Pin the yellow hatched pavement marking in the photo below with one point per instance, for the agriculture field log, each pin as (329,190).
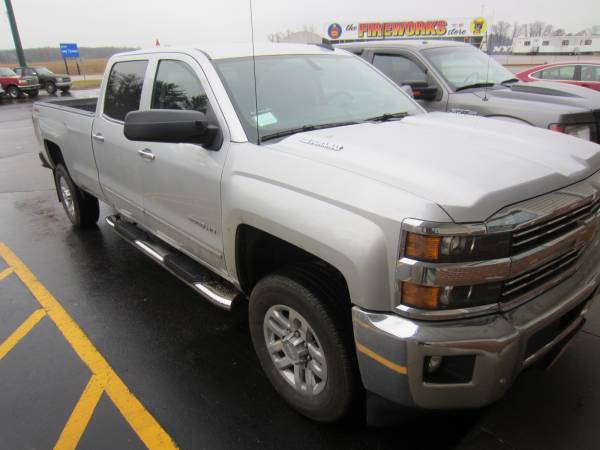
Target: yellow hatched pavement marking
(21,332)
(81,415)
(140,420)
(6,272)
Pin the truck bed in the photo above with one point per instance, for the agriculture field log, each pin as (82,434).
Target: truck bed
(79,105)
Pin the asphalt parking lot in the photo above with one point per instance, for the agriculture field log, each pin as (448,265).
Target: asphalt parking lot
(101,348)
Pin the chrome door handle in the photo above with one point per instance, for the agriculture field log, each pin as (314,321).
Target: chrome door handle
(146,154)
(98,137)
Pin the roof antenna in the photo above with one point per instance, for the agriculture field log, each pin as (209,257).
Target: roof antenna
(254,70)
(487,70)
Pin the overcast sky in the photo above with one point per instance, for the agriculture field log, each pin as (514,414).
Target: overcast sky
(139,22)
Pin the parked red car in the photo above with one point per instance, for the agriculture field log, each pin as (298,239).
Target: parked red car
(586,74)
(15,86)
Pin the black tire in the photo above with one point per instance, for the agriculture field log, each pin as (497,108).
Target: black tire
(33,94)
(13,92)
(50,87)
(85,209)
(322,304)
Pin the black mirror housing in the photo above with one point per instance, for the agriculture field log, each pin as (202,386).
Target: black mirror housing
(171,125)
(422,90)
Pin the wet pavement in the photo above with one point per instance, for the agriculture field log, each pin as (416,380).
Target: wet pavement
(191,366)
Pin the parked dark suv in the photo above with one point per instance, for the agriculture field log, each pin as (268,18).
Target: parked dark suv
(49,80)
(17,85)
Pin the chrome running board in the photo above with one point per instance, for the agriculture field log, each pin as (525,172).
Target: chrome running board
(209,285)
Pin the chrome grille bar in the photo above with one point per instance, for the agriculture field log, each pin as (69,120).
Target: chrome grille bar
(551,227)
(544,272)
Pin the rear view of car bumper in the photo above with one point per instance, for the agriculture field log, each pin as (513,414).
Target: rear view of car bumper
(469,363)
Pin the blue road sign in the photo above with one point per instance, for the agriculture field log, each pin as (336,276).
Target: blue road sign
(69,50)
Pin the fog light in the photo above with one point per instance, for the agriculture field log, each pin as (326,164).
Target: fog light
(433,363)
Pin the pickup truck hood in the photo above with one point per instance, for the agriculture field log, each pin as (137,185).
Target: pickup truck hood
(543,93)
(470,166)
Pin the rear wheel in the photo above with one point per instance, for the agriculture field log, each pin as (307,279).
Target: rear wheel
(82,208)
(301,338)
(50,87)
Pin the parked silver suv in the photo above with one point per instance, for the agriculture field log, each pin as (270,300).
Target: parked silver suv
(457,77)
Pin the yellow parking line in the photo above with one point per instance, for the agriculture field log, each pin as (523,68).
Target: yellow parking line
(140,420)
(6,272)
(21,332)
(81,415)
(381,360)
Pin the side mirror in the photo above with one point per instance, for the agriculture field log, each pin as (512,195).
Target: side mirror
(422,90)
(171,125)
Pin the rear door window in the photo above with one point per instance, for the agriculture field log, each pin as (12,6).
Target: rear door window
(124,88)
(566,73)
(590,73)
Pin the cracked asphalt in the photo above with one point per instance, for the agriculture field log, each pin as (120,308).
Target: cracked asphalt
(191,365)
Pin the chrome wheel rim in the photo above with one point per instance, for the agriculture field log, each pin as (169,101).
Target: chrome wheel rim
(67,197)
(295,350)
(13,92)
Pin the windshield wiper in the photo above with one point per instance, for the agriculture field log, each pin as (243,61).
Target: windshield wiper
(510,80)
(302,129)
(387,116)
(474,85)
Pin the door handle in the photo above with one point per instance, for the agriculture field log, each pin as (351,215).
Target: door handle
(146,153)
(98,137)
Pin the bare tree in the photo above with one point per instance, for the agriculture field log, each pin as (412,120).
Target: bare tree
(536,28)
(559,32)
(500,34)
(548,29)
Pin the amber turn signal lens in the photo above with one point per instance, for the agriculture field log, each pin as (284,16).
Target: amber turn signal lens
(417,296)
(421,247)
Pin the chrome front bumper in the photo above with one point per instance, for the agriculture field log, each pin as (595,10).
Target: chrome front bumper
(392,350)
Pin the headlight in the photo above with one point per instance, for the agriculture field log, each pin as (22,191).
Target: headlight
(441,250)
(456,248)
(581,131)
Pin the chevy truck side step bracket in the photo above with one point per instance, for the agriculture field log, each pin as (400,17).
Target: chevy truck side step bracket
(212,287)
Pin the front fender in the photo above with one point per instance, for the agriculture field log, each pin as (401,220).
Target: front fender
(354,245)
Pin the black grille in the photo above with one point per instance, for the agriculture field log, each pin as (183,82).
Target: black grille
(534,278)
(536,235)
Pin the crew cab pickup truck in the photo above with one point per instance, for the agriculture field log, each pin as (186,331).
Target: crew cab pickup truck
(426,258)
(457,77)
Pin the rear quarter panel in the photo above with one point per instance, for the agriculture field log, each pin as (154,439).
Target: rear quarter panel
(71,131)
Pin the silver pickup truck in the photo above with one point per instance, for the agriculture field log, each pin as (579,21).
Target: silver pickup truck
(426,258)
(457,77)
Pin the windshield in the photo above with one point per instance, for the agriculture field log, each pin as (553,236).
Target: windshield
(464,66)
(299,90)
(43,71)
(7,72)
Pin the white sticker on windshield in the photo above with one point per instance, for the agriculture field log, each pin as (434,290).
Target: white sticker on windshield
(265,118)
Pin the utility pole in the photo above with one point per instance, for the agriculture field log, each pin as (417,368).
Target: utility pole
(15,33)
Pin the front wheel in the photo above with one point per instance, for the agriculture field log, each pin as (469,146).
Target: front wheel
(82,208)
(12,92)
(50,87)
(303,345)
